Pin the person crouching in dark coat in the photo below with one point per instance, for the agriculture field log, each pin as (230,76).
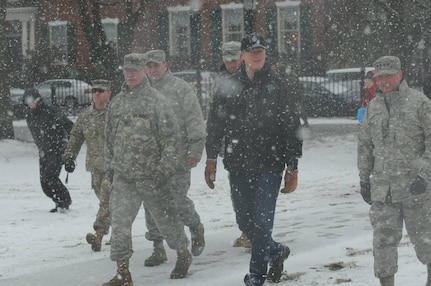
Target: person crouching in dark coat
(50,130)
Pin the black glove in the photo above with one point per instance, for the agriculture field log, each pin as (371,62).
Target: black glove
(419,186)
(160,181)
(366,192)
(69,165)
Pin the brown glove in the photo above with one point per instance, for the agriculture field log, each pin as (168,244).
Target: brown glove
(210,172)
(290,181)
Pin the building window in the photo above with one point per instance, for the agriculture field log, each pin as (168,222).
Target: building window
(289,38)
(179,31)
(232,22)
(111,31)
(58,42)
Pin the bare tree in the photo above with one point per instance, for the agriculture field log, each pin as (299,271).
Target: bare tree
(6,127)
(101,50)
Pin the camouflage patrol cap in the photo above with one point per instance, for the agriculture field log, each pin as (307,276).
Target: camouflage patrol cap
(134,61)
(387,65)
(231,51)
(102,84)
(155,56)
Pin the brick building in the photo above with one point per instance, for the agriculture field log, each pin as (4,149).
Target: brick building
(190,31)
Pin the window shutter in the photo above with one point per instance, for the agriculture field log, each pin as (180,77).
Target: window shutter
(71,44)
(216,34)
(271,29)
(163,31)
(195,37)
(306,34)
(44,37)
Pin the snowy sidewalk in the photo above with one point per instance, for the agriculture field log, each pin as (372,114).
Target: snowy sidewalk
(324,222)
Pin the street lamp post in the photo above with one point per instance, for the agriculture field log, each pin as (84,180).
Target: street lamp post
(421,47)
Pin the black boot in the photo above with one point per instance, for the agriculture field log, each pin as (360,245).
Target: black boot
(387,281)
(276,264)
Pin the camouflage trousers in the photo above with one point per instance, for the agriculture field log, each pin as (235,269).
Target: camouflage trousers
(126,199)
(102,188)
(387,220)
(179,186)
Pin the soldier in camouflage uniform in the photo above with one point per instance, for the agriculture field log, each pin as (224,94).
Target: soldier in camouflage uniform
(141,154)
(191,142)
(394,162)
(90,128)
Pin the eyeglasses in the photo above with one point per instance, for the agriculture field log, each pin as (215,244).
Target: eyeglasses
(94,90)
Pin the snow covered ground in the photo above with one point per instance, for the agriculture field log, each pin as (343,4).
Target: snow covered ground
(324,222)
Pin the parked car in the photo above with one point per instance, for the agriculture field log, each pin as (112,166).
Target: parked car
(349,77)
(207,81)
(324,98)
(69,93)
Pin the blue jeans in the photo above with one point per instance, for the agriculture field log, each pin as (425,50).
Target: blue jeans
(254,197)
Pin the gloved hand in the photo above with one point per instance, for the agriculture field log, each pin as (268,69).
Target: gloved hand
(160,180)
(210,172)
(290,181)
(109,176)
(366,192)
(419,186)
(193,161)
(69,165)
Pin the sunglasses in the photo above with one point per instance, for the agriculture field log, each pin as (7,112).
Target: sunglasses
(94,90)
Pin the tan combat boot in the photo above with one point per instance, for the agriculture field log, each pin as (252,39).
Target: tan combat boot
(159,255)
(198,239)
(387,281)
(95,240)
(242,241)
(123,276)
(182,265)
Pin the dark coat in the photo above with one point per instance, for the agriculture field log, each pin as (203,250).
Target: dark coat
(259,120)
(50,129)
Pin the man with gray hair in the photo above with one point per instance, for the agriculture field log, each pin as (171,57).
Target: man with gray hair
(394,162)
(141,136)
(231,52)
(191,142)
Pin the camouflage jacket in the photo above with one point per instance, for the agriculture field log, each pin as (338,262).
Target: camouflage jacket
(191,122)
(89,128)
(394,144)
(141,134)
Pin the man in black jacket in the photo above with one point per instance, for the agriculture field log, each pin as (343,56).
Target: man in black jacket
(50,130)
(260,122)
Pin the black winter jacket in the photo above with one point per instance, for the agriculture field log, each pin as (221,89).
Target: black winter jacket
(259,120)
(50,129)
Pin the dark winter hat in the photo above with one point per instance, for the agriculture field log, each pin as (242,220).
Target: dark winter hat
(251,41)
(31,95)
(231,51)
(387,65)
(369,75)
(155,56)
(102,84)
(134,61)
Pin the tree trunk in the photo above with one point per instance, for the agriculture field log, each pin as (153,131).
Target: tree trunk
(6,111)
